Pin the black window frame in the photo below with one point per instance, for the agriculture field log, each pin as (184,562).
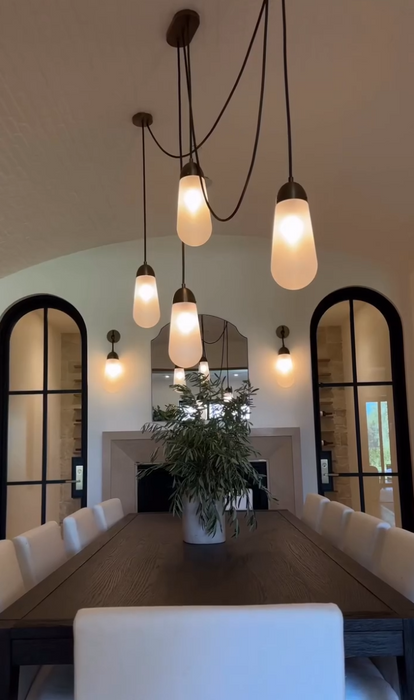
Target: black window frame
(7,324)
(399,391)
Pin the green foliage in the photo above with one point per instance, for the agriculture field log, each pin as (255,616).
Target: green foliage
(209,460)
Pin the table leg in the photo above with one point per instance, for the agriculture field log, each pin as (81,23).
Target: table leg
(406,662)
(9,675)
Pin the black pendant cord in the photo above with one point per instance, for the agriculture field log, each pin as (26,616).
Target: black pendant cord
(213,342)
(180,146)
(226,104)
(223,335)
(287,99)
(227,355)
(202,334)
(144,195)
(187,62)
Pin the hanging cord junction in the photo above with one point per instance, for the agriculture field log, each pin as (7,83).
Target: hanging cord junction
(227,102)
(187,62)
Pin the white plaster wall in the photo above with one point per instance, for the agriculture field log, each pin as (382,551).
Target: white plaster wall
(230,277)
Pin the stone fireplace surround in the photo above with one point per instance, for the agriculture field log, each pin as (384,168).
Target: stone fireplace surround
(280,447)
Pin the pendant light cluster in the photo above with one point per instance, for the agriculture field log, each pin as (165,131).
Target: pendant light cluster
(293,256)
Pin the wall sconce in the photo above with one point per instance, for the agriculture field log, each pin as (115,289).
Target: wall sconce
(284,364)
(113,366)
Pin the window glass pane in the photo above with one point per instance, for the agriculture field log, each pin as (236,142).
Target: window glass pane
(26,353)
(64,419)
(372,341)
(23,509)
(24,456)
(65,358)
(378,447)
(346,491)
(334,345)
(338,427)
(382,498)
(59,502)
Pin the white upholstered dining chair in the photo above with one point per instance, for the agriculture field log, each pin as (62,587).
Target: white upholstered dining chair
(79,530)
(364,537)
(108,513)
(40,552)
(312,510)
(201,652)
(395,561)
(334,521)
(35,682)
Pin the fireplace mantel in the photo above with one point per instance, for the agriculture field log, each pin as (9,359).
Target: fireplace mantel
(280,447)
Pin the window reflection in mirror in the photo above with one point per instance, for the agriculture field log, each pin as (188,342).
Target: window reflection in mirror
(214,337)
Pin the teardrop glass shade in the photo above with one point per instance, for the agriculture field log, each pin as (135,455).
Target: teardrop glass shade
(284,369)
(193,216)
(179,376)
(146,310)
(185,347)
(294,261)
(203,368)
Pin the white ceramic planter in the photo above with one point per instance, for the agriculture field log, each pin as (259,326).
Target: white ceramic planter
(194,533)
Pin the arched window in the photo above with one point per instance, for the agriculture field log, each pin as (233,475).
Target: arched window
(43,405)
(360,404)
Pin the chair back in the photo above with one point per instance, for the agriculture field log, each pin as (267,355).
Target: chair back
(40,552)
(313,509)
(108,513)
(334,521)
(364,537)
(11,579)
(202,652)
(395,561)
(79,530)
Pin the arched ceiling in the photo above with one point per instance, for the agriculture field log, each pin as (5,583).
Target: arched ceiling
(72,73)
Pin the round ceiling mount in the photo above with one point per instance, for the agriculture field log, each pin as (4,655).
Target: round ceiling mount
(183,26)
(142,119)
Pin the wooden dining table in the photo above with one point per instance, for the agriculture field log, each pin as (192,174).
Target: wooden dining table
(142,561)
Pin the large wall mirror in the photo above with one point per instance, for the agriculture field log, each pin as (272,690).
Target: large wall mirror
(226,351)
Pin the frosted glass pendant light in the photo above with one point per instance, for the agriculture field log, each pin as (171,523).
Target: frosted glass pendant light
(185,346)
(179,376)
(146,307)
(203,367)
(193,216)
(294,262)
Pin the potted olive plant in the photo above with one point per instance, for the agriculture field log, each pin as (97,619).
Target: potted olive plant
(206,449)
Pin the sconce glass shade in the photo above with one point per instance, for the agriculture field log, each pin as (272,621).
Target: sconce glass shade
(146,310)
(193,216)
(179,376)
(113,372)
(294,262)
(284,368)
(203,367)
(185,346)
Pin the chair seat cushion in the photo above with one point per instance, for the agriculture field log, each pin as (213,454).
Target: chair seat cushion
(363,681)
(52,683)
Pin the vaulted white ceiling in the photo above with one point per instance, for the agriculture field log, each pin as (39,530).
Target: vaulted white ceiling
(73,72)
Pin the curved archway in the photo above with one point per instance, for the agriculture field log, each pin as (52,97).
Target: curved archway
(360,404)
(43,407)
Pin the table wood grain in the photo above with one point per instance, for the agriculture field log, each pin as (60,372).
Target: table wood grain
(142,561)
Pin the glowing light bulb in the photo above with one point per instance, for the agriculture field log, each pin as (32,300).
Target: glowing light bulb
(193,215)
(146,310)
(292,229)
(186,322)
(113,368)
(294,262)
(228,394)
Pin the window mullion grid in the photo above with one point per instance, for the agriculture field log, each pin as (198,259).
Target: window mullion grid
(356,406)
(45,408)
